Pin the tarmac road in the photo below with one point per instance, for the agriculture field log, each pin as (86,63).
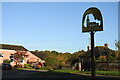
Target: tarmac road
(16,73)
(27,75)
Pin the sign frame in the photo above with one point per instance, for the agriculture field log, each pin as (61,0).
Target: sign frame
(92,26)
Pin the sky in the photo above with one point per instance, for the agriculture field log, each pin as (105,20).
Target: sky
(59,0)
(56,25)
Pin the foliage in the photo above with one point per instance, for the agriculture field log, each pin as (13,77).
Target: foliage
(7,61)
(27,65)
(19,56)
(112,57)
(118,51)
(75,57)
(55,59)
(101,59)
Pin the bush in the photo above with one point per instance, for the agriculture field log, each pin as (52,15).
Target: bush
(27,65)
(7,61)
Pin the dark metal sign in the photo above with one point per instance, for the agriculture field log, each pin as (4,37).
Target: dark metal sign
(92,26)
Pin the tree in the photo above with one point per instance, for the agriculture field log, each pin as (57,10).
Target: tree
(19,57)
(75,57)
(56,59)
(118,51)
(117,44)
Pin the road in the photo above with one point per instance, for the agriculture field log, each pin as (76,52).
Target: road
(16,73)
(29,75)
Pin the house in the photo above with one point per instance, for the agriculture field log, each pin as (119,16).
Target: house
(1,61)
(7,52)
(99,51)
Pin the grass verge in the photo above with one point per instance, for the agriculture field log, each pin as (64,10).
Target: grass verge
(59,71)
(106,73)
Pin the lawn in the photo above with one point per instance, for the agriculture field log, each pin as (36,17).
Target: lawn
(105,73)
(63,72)
(108,73)
(25,68)
(59,71)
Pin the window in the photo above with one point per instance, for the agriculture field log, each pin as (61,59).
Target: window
(2,54)
(11,57)
(21,61)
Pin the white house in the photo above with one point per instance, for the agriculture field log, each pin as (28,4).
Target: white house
(8,51)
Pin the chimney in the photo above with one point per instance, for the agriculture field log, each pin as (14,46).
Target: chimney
(88,48)
(106,45)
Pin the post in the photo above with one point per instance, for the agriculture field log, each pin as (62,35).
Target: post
(92,27)
(92,56)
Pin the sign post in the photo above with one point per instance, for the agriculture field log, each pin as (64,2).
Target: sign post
(92,56)
(92,27)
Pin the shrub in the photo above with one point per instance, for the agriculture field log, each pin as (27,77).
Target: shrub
(27,65)
(7,61)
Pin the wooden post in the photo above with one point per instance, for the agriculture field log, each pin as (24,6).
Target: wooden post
(92,56)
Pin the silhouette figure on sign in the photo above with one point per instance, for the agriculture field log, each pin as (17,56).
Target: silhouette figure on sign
(92,26)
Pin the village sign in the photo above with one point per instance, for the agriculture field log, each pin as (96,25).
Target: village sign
(92,27)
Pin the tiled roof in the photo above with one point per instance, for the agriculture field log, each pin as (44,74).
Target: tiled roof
(12,47)
(36,54)
(98,51)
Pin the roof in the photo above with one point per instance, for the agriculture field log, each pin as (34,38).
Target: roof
(37,54)
(12,47)
(32,60)
(98,51)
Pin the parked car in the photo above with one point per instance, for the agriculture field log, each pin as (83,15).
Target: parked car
(36,65)
(6,66)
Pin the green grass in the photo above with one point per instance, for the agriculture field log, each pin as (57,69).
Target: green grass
(46,68)
(66,71)
(59,71)
(106,73)
(70,73)
(43,68)
(25,68)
